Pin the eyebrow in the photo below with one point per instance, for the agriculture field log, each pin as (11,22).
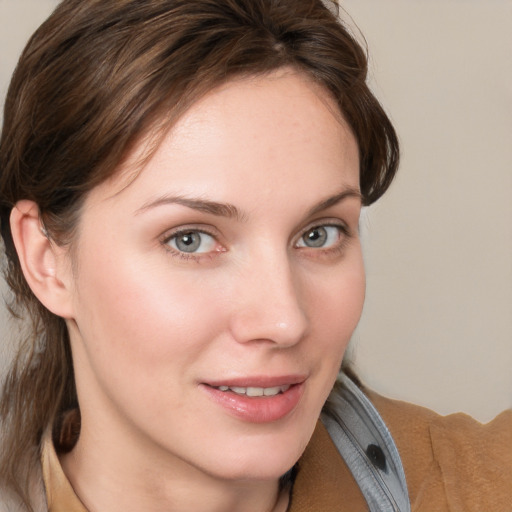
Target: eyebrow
(199,204)
(231,211)
(334,200)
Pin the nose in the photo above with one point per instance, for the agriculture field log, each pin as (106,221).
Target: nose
(268,306)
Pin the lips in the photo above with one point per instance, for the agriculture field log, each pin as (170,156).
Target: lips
(257,399)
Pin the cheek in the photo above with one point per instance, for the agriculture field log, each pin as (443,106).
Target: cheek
(141,316)
(336,308)
(338,302)
(145,338)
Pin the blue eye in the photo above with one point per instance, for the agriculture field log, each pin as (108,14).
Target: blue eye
(192,242)
(320,237)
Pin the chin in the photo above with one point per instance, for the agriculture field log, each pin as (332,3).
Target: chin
(264,457)
(260,469)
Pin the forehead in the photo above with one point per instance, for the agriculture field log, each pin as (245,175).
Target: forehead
(261,99)
(282,121)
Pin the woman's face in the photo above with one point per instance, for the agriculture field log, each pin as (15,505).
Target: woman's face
(230,267)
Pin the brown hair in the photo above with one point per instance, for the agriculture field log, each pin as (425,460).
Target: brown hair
(95,78)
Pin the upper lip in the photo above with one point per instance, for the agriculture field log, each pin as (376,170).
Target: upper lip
(258,381)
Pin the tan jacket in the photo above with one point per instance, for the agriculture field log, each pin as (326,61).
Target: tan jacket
(452,464)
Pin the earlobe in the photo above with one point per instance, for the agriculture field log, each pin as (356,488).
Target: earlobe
(43,262)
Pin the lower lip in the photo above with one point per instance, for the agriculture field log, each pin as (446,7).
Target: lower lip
(257,409)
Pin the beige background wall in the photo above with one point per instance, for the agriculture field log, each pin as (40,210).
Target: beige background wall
(437,326)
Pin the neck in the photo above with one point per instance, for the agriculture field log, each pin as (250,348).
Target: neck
(106,477)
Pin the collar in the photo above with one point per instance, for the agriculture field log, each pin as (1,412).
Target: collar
(324,482)
(60,496)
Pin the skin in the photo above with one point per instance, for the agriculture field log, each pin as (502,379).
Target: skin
(150,325)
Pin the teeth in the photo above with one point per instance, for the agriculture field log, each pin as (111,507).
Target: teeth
(255,392)
(271,391)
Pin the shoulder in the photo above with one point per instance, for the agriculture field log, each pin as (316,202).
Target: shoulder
(451,462)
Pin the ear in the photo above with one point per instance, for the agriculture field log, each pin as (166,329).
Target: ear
(45,265)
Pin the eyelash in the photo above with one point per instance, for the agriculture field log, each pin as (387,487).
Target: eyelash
(338,248)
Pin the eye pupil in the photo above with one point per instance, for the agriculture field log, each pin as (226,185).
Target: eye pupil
(188,242)
(316,237)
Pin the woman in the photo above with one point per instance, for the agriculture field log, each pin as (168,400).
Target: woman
(180,191)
